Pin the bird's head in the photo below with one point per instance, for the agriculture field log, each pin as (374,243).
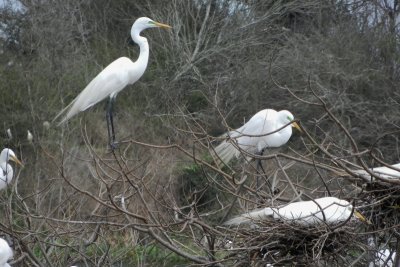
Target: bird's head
(144,23)
(8,154)
(288,117)
(350,210)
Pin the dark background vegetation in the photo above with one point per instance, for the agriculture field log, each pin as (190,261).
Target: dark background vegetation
(223,61)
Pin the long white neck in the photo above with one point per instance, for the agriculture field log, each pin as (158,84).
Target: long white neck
(143,59)
(4,156)
(6,175)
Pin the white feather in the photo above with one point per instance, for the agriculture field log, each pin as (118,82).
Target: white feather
(5,253)
(330,210)
(255,135)
(116,76)
(384,172)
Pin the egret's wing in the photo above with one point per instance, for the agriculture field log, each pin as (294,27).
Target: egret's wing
(254,215)
(298,211)
(329,210)
(108,82)
(258,125)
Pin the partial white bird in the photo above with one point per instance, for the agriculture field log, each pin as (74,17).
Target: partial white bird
(29,136)
(326,210)
(257,134)
(385,258)
(9,134)
(115,77)
(6,171)
(384,172)
(46,125)
(5,253)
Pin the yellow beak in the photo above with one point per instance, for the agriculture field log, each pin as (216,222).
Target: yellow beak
(361,217)
(162,25)
(296,125)
(16,160)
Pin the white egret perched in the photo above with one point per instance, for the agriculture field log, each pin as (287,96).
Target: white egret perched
(115,77)
(258,133)
(5,253)
(29,136)
(9,134)
(6,172)
(383,172)
(326,210)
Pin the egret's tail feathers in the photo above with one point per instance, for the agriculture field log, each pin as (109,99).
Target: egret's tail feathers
(247,218)
(225,152)
(66,113)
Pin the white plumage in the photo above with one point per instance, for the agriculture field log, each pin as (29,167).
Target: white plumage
(29,136)
(6,171)
(5,253)
(384,172)
(255,135)
(116,76)
(385,256)
(329,210)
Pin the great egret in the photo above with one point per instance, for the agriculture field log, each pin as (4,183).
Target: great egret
(29,137)
(9,134)
(383,172)
(258,133)
(6,173)
(326,210)
(5,253)
(115,77)
(265,129)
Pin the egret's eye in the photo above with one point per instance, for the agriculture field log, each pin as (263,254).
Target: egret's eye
(289,118)
(150,22)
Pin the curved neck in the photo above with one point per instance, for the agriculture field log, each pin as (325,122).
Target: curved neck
(144,50)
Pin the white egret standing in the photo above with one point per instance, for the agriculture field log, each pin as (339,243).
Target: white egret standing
(329,210)
(259,133)
(115,77)
(5,253)
(6,172)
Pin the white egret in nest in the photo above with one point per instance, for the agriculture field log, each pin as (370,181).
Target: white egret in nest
(6,172)
(326,210)
(115,77)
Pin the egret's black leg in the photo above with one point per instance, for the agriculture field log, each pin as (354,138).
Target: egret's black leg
(259,167)
(110,123)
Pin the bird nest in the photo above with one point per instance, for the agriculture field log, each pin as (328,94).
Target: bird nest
(281,244)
